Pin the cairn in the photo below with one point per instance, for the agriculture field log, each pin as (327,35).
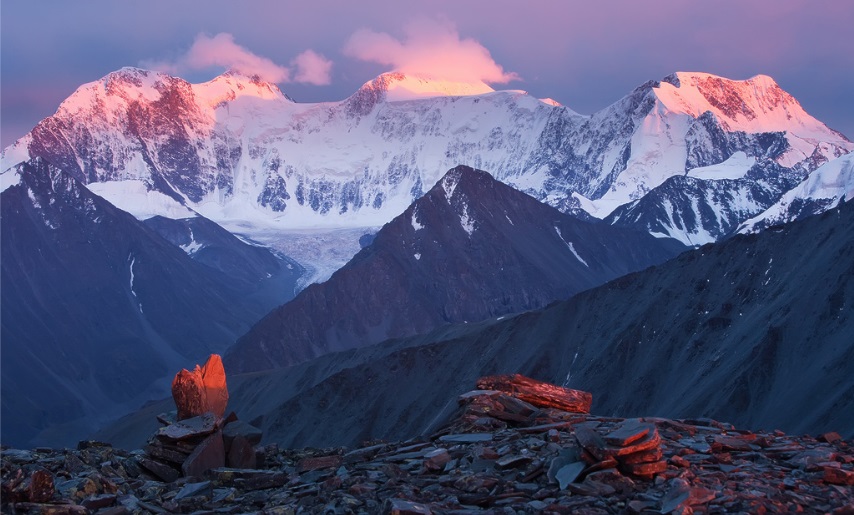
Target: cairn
(197,437)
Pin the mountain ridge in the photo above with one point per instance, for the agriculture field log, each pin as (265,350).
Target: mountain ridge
(359,162)
(470,248)
(693,350)
(665,357)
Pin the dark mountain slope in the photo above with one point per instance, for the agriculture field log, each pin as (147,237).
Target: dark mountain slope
(755,331)
(256,268)
(96,308)
(470,249)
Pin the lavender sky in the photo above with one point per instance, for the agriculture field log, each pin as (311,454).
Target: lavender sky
(584,54)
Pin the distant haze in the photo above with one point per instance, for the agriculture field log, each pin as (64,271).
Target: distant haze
(583,55)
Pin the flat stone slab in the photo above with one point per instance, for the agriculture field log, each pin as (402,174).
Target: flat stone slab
(322,462)
(644,469)
(193,489)
(596,445)
(241,454)
(629,431)
(249,479)
(513,461)
(467,438)
(569,473)
(402,507)
(189,428)
(166,473)
(591,441)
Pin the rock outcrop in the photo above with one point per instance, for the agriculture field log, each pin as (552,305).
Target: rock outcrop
(204,390)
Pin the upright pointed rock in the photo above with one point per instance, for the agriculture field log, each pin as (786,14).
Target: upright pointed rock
(201,391)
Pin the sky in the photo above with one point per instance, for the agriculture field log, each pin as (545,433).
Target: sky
(586,55)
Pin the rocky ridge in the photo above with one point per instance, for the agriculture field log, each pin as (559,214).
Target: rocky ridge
(499,454)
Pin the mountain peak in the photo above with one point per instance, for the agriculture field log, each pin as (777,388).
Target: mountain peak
(461,174)
(146,83)
(131,82)
(399,86)
(469,249)
(233,84)
(757,104)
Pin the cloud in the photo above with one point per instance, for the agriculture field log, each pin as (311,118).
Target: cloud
(222,52)
(312,68)
(429,47)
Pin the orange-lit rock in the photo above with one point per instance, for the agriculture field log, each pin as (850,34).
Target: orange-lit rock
(201,391)
(538,393)
(216,389)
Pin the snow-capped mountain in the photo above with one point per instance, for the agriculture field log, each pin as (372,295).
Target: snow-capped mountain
(240,152)
(824,189)
(469,249)
(730,137)
(698,211)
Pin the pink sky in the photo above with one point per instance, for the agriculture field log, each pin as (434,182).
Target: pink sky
(583,54)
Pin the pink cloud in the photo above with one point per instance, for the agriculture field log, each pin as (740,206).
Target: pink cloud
(429,47)
(312,68)
(221,51)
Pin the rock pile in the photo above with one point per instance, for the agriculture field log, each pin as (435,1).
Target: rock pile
(192,446)
(196,438)
(499,454)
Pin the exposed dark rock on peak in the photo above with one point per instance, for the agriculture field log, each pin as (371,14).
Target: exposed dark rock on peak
(672,79)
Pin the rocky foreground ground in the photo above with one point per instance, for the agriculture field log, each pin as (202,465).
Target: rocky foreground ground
(514,447)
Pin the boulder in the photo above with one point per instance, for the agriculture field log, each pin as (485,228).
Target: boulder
(201,391)
(538,393)
(241,454)
(240,428)
(209,454)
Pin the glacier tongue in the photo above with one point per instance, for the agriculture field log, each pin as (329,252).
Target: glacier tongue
(320,251)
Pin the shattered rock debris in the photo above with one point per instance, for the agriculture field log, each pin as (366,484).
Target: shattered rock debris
(503,452)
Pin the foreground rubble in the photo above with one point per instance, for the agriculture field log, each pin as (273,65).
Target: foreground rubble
(500,454)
